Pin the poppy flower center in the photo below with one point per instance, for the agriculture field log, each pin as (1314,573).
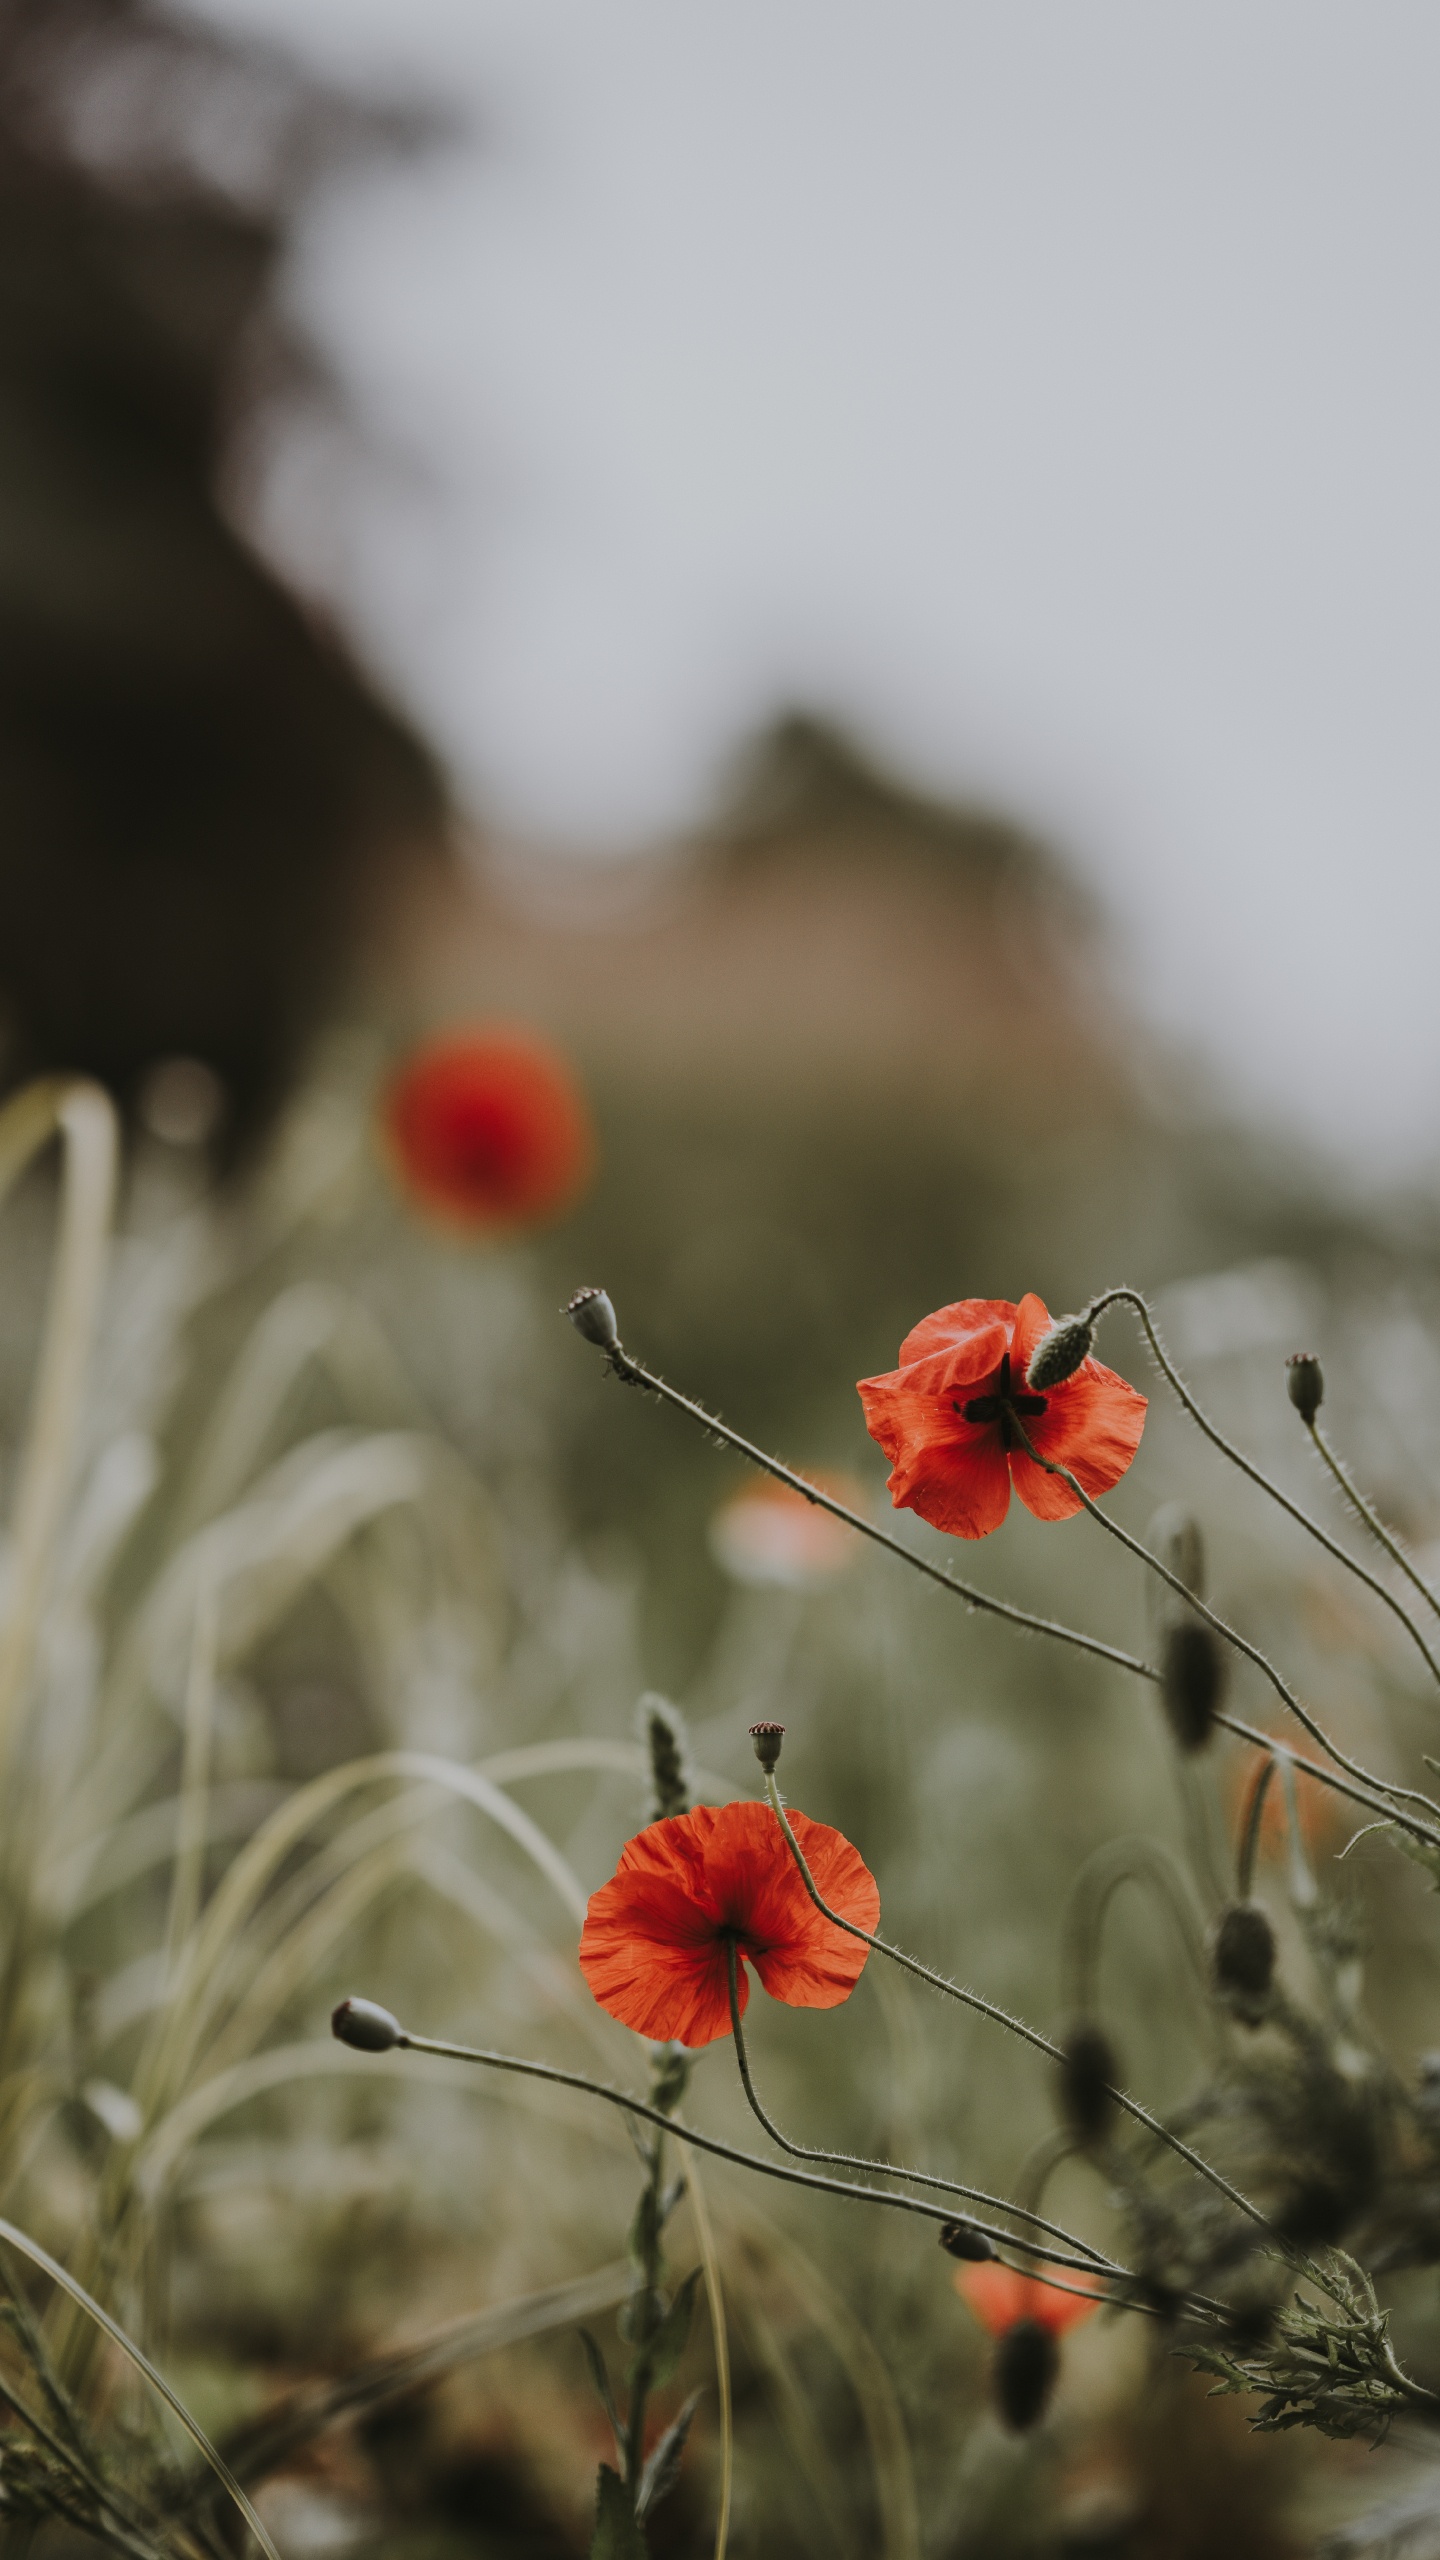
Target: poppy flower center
(1003,1406)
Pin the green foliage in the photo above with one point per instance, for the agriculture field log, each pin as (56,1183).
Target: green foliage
(618,2535)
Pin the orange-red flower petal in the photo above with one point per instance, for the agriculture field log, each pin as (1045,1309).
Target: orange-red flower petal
(654,1948)
(488,1129)
(1001,2296)
(945,1419)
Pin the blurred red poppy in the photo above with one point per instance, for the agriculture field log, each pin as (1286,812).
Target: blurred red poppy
(1001,2297)
(768,1533)
(488,1129)
(654,1948)
(947,1417)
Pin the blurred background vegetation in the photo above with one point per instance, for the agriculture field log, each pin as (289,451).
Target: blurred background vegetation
(850,1054)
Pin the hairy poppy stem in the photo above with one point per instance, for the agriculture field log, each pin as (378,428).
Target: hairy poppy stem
(887,2168)
(1241,1644)
(1132,1298)
(1366,1512)
(1031,2035)
(633,1374)
(687,2133)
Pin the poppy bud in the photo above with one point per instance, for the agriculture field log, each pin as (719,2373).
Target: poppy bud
(1242,1955)
(1192,1681)
(1058,1354)
(1027,2361)
(592,1315)
(767,1739)
(366,2025)
(1305,1384)
(1088,2071)
(962,2240)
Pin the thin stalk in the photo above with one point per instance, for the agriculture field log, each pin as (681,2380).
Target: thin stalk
(1365,1511)
(1312,1527)
(84,1117)
(1229,1635)
(118,2529)
(634,1375)
(1250,1826)
(646,2312)
(51,2267)
(885,2168)
(1017,2026)
(645,2114)
(710,2258)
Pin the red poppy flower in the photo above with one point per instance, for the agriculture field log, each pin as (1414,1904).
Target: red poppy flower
(654,1948)
(1001,2297)
(946,1419)
(488,1129)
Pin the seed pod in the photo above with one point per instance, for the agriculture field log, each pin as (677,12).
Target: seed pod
(592,1315)
(1027,2361)
(1305,1384)
(962,2240)
(1088,2071)
(1242,1956)
(767,1739)
(1060,1352)
(1193,1681)
(662,1730)
(366,2026)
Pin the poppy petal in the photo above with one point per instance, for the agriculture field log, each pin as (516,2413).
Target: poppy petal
(1092,1424)
(951,1471)
(999,2296)
(819,1967)
(1045,1497)
(654,1948)
(1032,1323)
(977,1327)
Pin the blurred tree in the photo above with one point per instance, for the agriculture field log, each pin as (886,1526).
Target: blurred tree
(198,787)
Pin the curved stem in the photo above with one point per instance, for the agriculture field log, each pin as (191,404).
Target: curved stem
(1229,1635)
(1312,1527)
(886,2168)
(634,1375)
(1118,1862)
(684,2132)
(1031,2035)
(1365,1512)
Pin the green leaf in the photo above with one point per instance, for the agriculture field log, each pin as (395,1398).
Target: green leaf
(663,2468)
(601,2380)
(617,2535)
(667,2344)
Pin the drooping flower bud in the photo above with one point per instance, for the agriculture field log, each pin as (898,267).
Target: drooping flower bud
(1305,1384)
(1088,2072)
(1059,1353)
(592,1315)
(767,1739)
(365,2025)
(1242,1957)
(1027,2361)
(1192,1682)
(962,2240)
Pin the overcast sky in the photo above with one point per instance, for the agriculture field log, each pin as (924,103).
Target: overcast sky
(1048,387)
